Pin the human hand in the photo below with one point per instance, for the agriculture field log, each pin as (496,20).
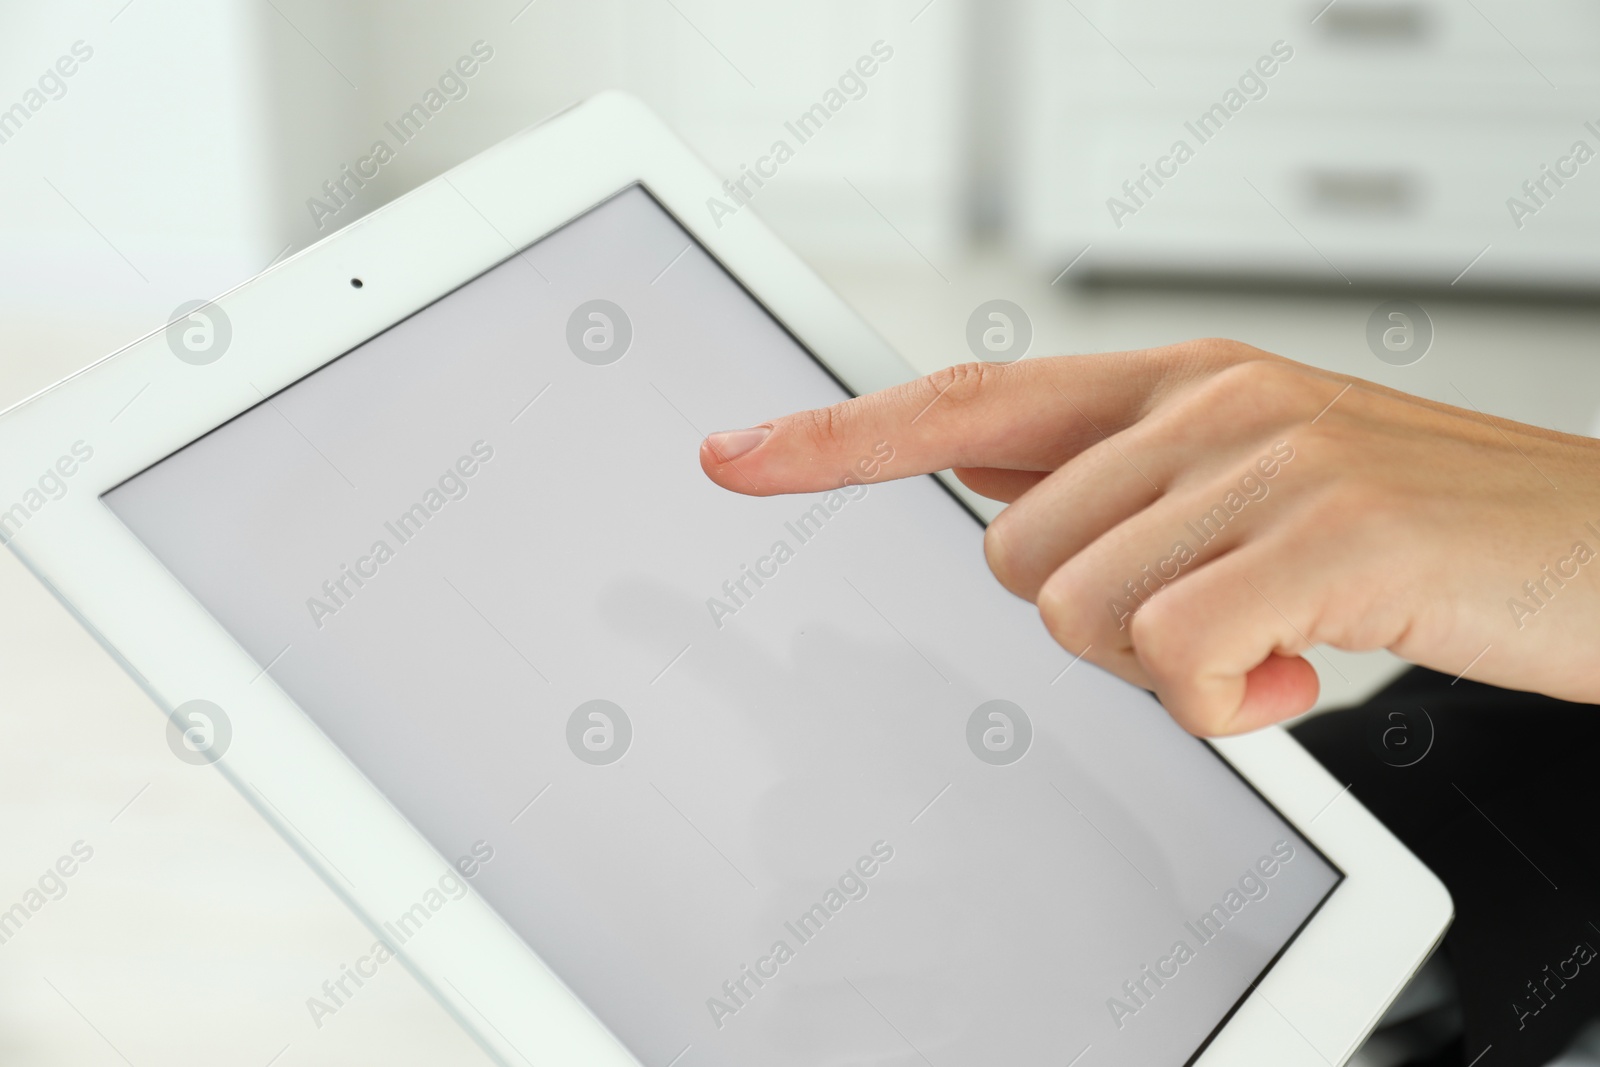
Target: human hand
(1193,518)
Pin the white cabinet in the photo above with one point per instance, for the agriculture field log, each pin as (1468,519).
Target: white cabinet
(1384,149)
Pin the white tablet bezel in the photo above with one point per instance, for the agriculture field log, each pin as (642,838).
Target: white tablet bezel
(1315,1003)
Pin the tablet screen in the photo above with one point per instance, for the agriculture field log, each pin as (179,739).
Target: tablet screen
(780,781)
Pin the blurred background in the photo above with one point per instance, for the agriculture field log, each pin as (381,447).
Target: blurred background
(1335,157)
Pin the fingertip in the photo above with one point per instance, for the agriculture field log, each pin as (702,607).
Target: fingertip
(728,458)
(723,472)
(729,445)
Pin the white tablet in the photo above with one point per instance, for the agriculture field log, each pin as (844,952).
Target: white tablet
(409,538)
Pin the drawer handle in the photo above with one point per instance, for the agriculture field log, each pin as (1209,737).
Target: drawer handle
(1358,23)
(1347,192)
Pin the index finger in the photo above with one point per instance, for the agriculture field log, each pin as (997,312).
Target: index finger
(1031,415)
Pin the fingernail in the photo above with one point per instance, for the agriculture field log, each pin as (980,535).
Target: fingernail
(731,444)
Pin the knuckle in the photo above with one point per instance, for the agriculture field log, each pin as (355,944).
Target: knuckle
(1165,646)
(1268,382)
(1201,720)
(962,382)
(1217,351)
(1061,608)
(999,551)
(1156,631)
(822,426)
(1250,393)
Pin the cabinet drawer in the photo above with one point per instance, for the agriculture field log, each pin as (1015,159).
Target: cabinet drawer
(1338,194)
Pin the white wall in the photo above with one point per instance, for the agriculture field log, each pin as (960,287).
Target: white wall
(139,188)
(726,76)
